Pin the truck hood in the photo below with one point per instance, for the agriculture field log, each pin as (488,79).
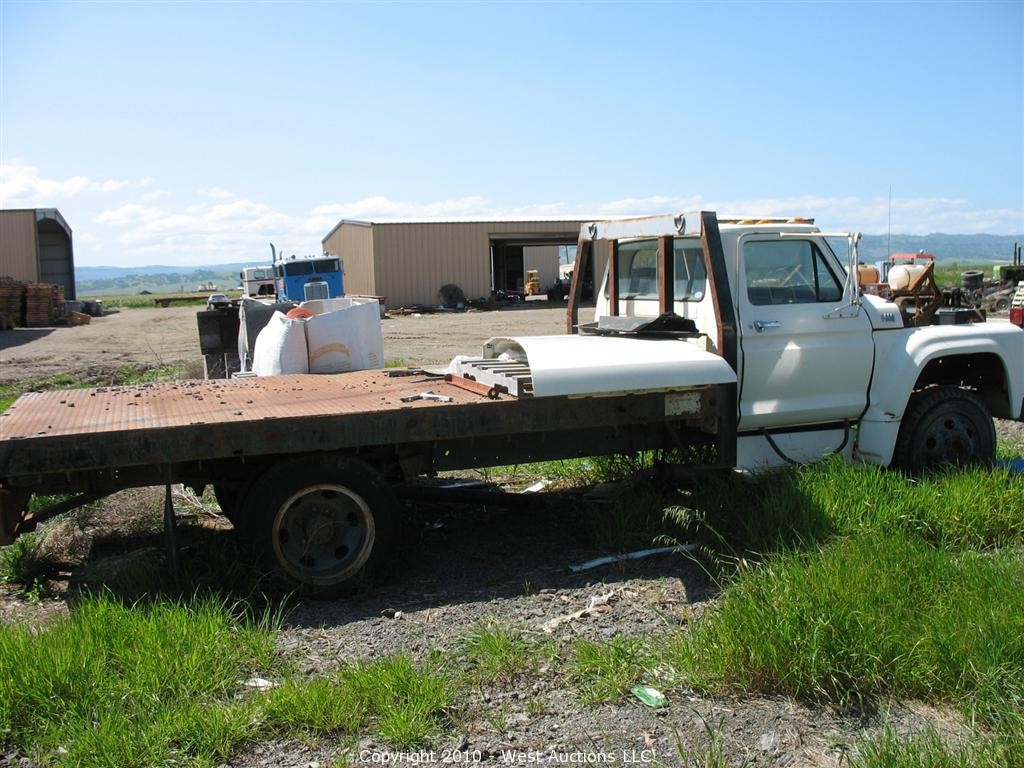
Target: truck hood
(603,365)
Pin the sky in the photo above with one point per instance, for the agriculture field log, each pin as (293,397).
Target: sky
(196,133)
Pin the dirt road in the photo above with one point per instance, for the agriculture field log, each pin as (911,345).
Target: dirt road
(152,337)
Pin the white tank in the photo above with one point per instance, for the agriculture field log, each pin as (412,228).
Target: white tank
(902,276)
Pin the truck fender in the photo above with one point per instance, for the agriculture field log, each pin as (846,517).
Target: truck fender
(903,356)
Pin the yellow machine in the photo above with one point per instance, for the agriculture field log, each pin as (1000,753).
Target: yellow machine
(533,286)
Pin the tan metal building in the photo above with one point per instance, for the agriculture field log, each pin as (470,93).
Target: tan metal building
(35,247)
(409,260)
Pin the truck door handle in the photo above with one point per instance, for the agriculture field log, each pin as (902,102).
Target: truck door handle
(760,325)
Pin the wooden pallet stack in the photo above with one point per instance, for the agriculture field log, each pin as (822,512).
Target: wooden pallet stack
(12,302)
(38,305)
(58,312)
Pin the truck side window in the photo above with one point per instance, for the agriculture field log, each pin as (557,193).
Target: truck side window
(638,270)
(788,272)
(690,272)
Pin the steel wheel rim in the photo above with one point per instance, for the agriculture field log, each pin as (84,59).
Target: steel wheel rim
(323,534)
(950,438)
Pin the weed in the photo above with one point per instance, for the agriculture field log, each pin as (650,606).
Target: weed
(19,562)
(318,706)
(405,704)
(710,755)
(606,671)
(395,362)
(500,654)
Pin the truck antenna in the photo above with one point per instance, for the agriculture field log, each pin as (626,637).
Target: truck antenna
(888,236)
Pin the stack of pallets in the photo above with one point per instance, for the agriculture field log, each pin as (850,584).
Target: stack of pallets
(38,305)
(12,302)
(58,312)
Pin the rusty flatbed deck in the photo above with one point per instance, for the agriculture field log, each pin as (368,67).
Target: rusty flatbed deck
(49,435)
(171,405)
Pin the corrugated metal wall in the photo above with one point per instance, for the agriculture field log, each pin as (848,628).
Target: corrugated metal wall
(412,261)
(18,245)
(353,243)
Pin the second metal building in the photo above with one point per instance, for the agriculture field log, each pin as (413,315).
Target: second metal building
(409,260)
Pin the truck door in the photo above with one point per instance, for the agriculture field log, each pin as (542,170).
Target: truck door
(805,354)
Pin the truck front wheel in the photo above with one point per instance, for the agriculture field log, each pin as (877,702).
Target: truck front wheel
(945,426)
(322,519)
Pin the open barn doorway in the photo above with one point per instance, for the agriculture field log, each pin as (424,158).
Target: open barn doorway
(518,258)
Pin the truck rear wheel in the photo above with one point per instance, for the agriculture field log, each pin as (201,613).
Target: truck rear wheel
(945,426)
(322,520)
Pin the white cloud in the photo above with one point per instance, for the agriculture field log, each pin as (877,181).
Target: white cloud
(23,185)
(920,215)
(129,222)
(217,193)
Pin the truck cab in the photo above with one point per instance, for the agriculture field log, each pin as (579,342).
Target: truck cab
(820,366)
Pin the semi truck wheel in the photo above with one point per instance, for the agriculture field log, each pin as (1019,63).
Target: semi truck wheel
(945,426)
(322,519)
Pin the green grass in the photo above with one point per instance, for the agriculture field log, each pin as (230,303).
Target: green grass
(136,301)
(114,684)
(977,509)
(606,671)
(878,614)
(405,704)
(500,654)
(162,683)
(929,750)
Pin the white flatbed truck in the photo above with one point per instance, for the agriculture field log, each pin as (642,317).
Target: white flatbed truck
(746,340)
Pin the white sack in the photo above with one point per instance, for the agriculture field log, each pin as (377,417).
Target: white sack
(348,339)
(281,347)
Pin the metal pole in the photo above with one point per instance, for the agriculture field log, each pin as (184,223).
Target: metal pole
(170,530)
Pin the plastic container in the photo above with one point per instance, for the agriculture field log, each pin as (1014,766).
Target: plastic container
(902,276)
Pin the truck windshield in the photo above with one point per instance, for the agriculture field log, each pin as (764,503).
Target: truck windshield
(326,266)
(638,270)
(294,268)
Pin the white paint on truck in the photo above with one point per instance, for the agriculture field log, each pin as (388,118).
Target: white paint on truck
(597,365)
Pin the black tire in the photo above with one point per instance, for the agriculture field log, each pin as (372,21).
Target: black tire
(229,497)
(945,426)
(322,520)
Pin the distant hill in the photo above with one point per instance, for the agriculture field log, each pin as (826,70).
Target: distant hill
(959,249)
(107,281)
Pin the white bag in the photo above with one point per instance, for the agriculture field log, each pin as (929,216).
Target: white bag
(281,347)
(348,339)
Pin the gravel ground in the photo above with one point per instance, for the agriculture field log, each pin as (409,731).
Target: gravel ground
(168,337)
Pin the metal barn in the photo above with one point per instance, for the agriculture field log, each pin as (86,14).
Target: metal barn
(408,260)
(35,247)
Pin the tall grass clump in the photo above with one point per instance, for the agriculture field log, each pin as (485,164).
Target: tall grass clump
(499,654)
(875,614)
(405,704)
(112,684)
(804,507)
(929,750)
(970,508)
(606,671)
